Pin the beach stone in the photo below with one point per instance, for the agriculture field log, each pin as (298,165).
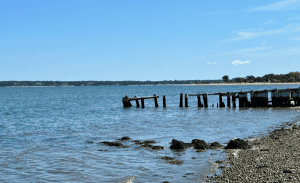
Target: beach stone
(237,144)
(166,182)
(158,147)
(176,144)
(125,138)
(118,144)
(199,144)
(220,162)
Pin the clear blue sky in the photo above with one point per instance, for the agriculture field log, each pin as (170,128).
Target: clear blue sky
(147,40)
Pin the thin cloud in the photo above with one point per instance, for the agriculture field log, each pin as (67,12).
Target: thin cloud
(247,34)
(211,62)
(280,6)
(238,62)
(295,38)
(268,22)
(246,50)
(264,42)
(293,18)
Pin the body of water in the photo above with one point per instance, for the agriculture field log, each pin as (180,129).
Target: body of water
(45,133)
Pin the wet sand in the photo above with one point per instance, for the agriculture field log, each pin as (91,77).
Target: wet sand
(274,158)
(228,84)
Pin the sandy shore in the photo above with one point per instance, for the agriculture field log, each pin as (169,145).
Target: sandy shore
(225,84)
(275,158)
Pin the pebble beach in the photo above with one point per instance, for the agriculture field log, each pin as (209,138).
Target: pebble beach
(274,158)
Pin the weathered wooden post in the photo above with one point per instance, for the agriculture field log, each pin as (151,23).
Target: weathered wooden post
(137,102)
(186,100)
(220,99)
(142,101)
(181,100)
(126,102)
(252,99)
(233,100)
(275,98)
(205,100)
(199,101)
(228,99)
(155,100)
(297,97)
(243,101)
(164,101)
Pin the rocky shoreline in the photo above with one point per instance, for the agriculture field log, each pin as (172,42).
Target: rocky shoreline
(274,158)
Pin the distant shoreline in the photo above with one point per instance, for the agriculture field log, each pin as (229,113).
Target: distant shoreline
(225,84)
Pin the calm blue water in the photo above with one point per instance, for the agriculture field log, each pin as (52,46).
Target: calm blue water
(44,132)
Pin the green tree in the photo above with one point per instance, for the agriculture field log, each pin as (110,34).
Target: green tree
(225,78)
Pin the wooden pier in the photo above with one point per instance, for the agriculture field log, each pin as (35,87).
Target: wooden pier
(260,98)
(279,98)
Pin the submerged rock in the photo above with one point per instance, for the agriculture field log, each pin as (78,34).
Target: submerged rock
(237,144)
(158,147)
(125,138)
(149,142)
(177,162)
(167,158)
(118,144)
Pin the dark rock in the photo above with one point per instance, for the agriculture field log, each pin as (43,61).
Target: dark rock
(177,162)
(166,182)
(158,147)
(125,138)
(215,145)
(179,145)
(167,158)
(118,144)
(102,150)
(199,144)
(147,146)
(237,144)
(148,142)
(89,142)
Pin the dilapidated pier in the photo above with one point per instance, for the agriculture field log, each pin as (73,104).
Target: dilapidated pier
(259,98)
(279,98)
(126,101)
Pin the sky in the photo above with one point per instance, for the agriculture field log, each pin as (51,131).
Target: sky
(119,40)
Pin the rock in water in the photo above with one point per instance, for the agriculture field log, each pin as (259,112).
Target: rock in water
(199,144)
(237,144)
(130,180)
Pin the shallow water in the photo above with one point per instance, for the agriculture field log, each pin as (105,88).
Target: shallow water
(44,132)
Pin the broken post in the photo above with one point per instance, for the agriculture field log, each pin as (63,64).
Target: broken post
(181,100)
(126,102)
(205,100)
(199,101)
(164,101)
(137,102)
(155,100)
(228,99)
(233,100)
(186,100)
(142,101)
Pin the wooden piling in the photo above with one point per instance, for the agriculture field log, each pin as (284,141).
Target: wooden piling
(137,102)
(220,99)
(164,101)
(297,97)
(275,98)
(252,99)
(228,99)
(233,100)
(181,100)
(155,100)
(186,100)
(199,101)
(205,100)
(142,101)
(243,101)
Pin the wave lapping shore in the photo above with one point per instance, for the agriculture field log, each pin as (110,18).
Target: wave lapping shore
(274,158)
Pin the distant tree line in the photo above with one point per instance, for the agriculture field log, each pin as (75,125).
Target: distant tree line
(273,78)
(100,83)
